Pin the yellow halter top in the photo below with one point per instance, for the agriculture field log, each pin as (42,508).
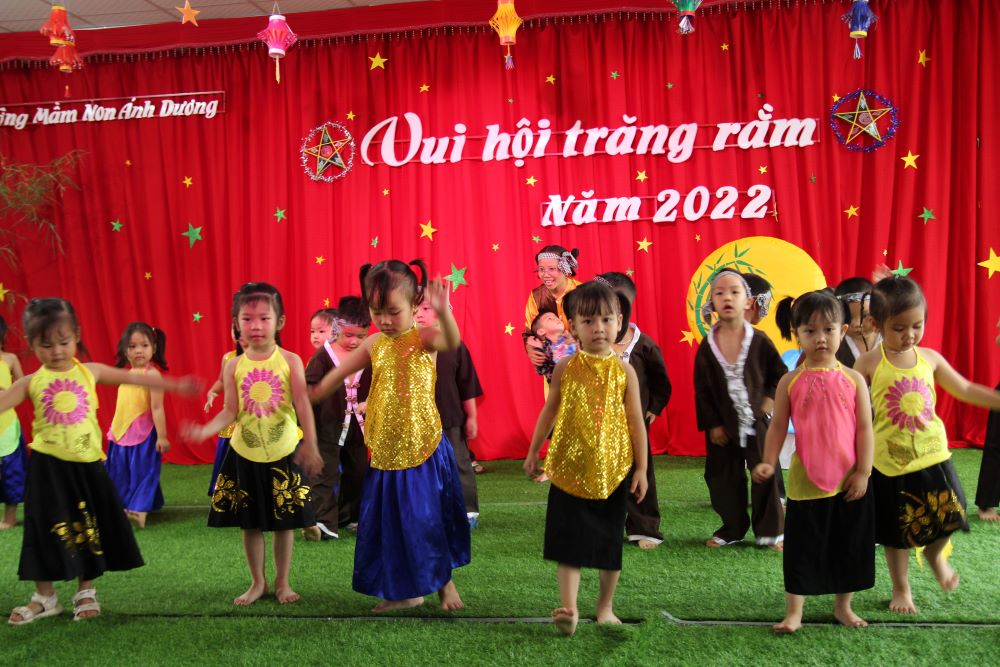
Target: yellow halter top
(266,425)
(65,423)
(591,449)
(133,402)
(909,435)
(402,426)
(227,432)
(10,428)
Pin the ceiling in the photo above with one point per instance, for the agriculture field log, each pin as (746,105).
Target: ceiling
(29,15)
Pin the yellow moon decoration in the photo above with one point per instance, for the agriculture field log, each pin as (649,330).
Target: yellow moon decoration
(789,269)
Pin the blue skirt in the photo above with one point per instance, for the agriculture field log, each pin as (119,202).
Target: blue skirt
(221,449)
(135,472)
(13,469)
(413,529)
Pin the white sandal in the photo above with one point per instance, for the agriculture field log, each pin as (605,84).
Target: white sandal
(50,607)
(87,606)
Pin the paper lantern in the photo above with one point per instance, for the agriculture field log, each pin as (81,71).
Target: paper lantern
(686,9)
(279,38)
(859,19)
(66,58)
(506,22)
(57,27)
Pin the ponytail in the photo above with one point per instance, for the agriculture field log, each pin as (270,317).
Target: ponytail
(783,317)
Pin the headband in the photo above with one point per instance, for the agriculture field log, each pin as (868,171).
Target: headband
(708,308)
(853,297)
(604,281)
(567,262)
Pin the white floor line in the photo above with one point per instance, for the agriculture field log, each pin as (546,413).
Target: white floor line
(871,624)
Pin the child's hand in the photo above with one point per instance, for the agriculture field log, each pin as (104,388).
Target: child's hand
(534,348)
(189,385)
(209,399)
(649,418)
(639,485)
(471,428)
(856,486)
(363,407)
(718,435)
(531,466)
(762,472)
(436,296)
(310,461)
(162,445)
(193,432)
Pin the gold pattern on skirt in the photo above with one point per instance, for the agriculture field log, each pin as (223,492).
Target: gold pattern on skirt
(79,535)
(290,494)
(227,497)
(926,519)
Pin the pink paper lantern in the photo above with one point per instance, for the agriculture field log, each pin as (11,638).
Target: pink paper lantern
(279,38)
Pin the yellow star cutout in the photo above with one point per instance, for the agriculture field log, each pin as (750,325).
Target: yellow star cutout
(762,169)
(424,88)
(385,192)
(725,46)
(909,160)
(188,13)
(551,78)
(688,337)
(377,61)
(697,237)
(644,244)
(509,329)
(320,259)
(351,115)
(326,303)
(531,180)
(922,58)
(187,181)
(427,230)
(852,212)
(495,247)
(885,252)
(149,275)
(641,176)
(992,264)
(836,98)
(3,293)
(128,163)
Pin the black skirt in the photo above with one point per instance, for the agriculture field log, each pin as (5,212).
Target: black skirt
(74,523)
(261,496)
(829,545)
(586,533)
(918,508)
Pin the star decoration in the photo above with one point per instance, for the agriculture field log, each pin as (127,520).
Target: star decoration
(149,275)
(378,61)
(320,259)
(424,88)
(922,58)
(928,214)
(629,272)
(760,96)
(909,160)
(725,46)
(644,244)
(197,317)
(774,213)
(128,163)
(427,230)
(279,214)
(852,212)
(385,192)
(901,271)
(885,252)
(375,242)
(187,181)
(836,98)
(327,152)
(992,264)
(495,247)
(536,239)
(508,329)
(551,78)
(326,303)
(188,13)
(510,100)
(116,225)
(812,178)
(688,337)
(193,234)
(531,180)
(762,169)
(670,85)
(3,293)
(641,176)
(863,120)
(697,237)
(615,75)
(457,277)
(351,115)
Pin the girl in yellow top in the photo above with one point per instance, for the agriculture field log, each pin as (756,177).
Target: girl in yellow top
(413,529)
(138,434)
(13,452)
(599,439)
(918,498)
(260,487)
(74,524)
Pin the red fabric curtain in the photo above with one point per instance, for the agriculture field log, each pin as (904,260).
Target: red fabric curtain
(244,166)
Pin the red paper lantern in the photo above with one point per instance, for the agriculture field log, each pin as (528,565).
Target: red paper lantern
(279,38)
(57,27)
(66,58)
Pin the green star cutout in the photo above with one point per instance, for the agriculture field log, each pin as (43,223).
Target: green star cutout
(670,85)
(457,277)
(510,100)
(279,214)
(629,272)
(928,214)
(197,317)
(116,225)
(812,178)
(193,234)
(536,239)
(901,270)
(615,75)
(375,242)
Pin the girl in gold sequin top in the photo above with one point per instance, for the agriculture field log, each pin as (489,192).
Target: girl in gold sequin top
(598,440)
(413,530)
(74,523)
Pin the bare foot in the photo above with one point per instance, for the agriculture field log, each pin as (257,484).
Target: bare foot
(715,542)
(788,625)
(7,526)
(984,515)
(607,617)
(902,603)
(312,534)
(848,618)
(393,605)
(286,595)
(137,519)
(647,544)
(565,620)
(450,600)
(779,547)
(542,478)
(945,573)
(253,594)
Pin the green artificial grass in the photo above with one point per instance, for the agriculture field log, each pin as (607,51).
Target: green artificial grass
(178,608)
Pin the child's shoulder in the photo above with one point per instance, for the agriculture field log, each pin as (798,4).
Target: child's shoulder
(854,376)
(290,357)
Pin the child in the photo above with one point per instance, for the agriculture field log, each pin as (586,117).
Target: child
(340,423)
(222,444)
(830,518)
(919,500)
(642,525)
(322,327)
(455,395)
(861,335)
(260,488)
(413,529)
(74,524)
(13,452)
(988,488)
(556,344)
(736,372)
(760,298)
(599,435)
(138,435)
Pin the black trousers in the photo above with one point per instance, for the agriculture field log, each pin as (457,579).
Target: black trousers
(726,476)
(988,489)
(337,490)
(467,476)
(643,519)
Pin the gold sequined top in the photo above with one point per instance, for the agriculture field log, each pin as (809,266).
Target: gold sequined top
(402,426)
(227,432)
(591,449)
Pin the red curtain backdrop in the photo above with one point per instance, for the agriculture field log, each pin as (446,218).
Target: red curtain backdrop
(244,165)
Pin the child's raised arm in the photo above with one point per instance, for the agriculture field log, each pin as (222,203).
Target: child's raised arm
(103,374)
(446,335)
(546,420)
(196,433)
(776,431)
(864,442)
(307,455)
(216,387)
(637,433)
(15,366)
(15,394)
(352,363)
(958,386)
